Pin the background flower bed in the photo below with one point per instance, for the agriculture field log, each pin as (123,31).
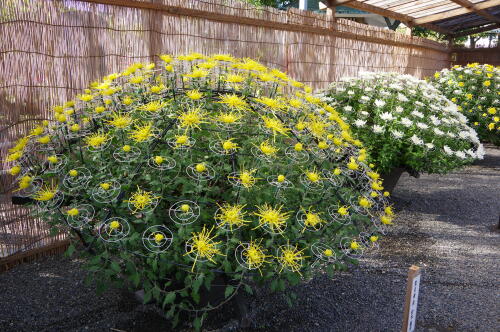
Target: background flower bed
(475,88)
(405,122)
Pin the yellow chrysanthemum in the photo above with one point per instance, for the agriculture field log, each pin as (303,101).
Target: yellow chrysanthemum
(142,199)
(96,140)
(255,255)
(194,94)
(246,178)
(229,146)
(45,194)
(120,121)
(234,101)
(290,258)
(14,170)
(192,118)
(228,117)
(197,73)
(272,218)
(153,106)
(232,215)
(267,148)
(273,104)
(142,132)
(203,246)
(312,219)
(313,175)
(275,124)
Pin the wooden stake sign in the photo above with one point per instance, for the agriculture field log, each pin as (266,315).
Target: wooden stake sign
(411,302)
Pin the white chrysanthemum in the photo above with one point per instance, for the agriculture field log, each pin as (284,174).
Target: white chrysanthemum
(398,109)
(348,108)
(360,123)
(402,98)
(386,116)
(429,146)
(438,132)
(350,93)
(406,122)
(447,150)
(417,140)
(397,134)
(422,125)
(417,114)
(460,154)
(379,103)
(378,129)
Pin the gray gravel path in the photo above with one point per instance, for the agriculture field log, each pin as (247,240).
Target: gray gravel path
(446,225)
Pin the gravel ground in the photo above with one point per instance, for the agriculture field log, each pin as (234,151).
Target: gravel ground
(446,225)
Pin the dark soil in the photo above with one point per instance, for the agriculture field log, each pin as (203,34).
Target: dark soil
(447,225)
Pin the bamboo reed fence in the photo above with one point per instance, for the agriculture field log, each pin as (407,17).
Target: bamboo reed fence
(52,49)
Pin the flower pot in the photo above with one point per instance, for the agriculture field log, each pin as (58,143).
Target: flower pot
(390,180)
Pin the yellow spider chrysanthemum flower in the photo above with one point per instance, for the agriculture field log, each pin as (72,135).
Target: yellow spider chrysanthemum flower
(228,117)
(234,78)
(388,210)
(229,146)
(207,65)
(365,203)
(352,165)
(73,212)
(97,139)
(317,127)
(137,79)
(120,121)
(20,145)
(275,125)
(167,58)
(142,200)
(354,245)
(386,220)
(295,103)
(232,215)
(234,101)
(192,118)
(181,140)
(203,246)
(157,88)
(142,132)
(153,106)
(14,170)
(273,104)
(194,94)
(312,219)
(197,73)
(45,194)
(37,131)
(249,64)
(85,97)
(25,182)
(343,210)
(223,57)
(272,218)
(290,258)
(44,139)
(313,175)
(268,149)
(127,100)
(53,159)
(246,178)
(255,255)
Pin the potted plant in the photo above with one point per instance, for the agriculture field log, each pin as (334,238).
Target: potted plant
(199,176)
(405,124)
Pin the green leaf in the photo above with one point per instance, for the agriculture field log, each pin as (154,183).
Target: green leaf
(229,290)
(274,285)
(135,278)
(248,289)
(147,296)
(115,267)
(195,296)
(197,324)
(169,298)
(197,283)
(71,249)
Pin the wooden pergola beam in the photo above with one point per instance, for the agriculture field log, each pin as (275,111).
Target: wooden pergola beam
(481,12)
(460,11)
(408,20)
(477,30)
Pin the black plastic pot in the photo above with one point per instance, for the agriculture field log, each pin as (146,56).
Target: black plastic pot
(390,180)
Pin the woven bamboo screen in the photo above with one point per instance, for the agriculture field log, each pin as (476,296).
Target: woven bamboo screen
(49,50)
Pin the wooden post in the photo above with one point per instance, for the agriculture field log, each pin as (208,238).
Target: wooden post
(411,302)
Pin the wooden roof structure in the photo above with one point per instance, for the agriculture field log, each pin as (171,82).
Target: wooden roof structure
(455,18)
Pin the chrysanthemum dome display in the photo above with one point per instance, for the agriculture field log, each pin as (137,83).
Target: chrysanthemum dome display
(405,123)
(197,166)
(475,89)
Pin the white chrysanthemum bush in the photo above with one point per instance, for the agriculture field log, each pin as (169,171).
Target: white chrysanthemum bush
(201,170)
(404,123)
(475,89)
